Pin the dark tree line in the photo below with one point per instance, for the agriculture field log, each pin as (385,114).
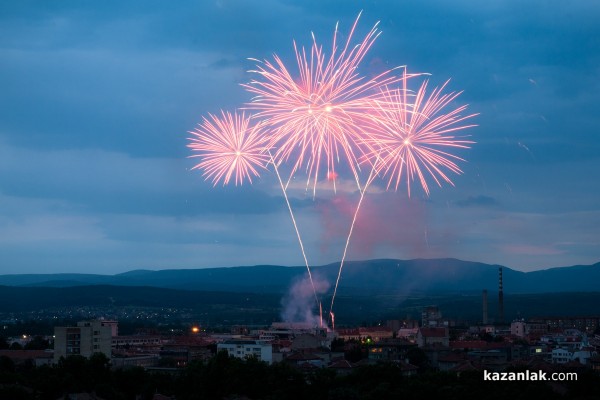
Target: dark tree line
(224,377)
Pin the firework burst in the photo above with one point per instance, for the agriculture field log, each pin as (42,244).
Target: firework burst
(330,115)
(230,146)
(321,117)
(415,135)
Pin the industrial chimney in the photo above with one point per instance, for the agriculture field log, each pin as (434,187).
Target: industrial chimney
(500,298)
(485,308)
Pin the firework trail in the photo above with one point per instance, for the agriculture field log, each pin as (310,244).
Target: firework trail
(287,201)
(322,116)
(231,146)
(412,133)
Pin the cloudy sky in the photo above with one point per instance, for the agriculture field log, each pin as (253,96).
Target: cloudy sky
(96,99)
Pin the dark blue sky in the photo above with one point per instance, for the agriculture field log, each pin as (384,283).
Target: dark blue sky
(97,97)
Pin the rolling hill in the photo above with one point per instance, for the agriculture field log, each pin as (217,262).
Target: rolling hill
(385,276)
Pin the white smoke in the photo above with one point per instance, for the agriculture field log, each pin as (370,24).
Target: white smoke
(299,304)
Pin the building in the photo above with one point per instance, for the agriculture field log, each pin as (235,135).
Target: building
(22,357)
(348,334)
(376,333)
(389,350)
(121,342)
(586,324)
(85,339)
(409,334)
(305,341)
(431,316)
(433,336)
(517,328)
(561,356)
(522,329)
(144,361)
(243,349)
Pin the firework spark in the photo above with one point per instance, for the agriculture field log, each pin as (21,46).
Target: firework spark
(415,134)
(321,117)
(230,147)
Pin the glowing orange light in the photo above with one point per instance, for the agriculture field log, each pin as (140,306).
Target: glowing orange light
(195,329)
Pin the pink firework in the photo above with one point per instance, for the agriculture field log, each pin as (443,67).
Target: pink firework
(321,117)
(230,146)
(415,135)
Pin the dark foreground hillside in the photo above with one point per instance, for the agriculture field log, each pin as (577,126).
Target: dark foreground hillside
(223,377)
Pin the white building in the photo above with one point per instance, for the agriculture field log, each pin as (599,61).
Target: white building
(243,349)
(561,356)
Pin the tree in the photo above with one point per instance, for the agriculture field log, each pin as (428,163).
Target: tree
(337,344)
(6,364)
(16,346)
(37,343)
(418,358)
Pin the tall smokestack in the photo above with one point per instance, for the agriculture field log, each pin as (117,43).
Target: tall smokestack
(500,298)
(485,308)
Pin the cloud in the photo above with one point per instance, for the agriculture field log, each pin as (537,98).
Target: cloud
(528,250)
(477,201)
(101,181)
(97,101)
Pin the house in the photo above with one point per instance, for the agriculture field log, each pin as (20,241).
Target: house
(35,357)
(348,334)
(561,356)
(341,367)
(305,341)
(433,336)
(376,333)
(449,361)
(300,359)
(407,369)
(389,350)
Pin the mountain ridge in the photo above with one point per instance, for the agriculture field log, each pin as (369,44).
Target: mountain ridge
(378,275)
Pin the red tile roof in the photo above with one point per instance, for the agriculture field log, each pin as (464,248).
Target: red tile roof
(372,329)
(465,366)
(341,364)
(468,344)
(404,366)
(26,354)
(303,357)
(433,332)
(452,357)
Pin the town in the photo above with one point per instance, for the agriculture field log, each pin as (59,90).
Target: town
(168,343)
(433,343)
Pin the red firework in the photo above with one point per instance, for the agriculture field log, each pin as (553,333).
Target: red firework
(322,116)
(230,146)
(414,135)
